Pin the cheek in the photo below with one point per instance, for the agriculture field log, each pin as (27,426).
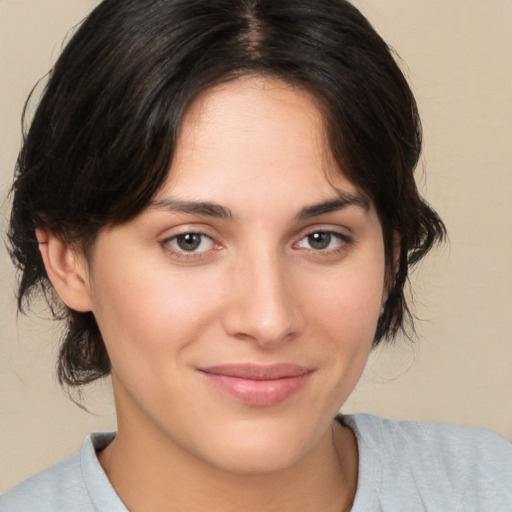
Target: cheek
(349,303)
(149,309)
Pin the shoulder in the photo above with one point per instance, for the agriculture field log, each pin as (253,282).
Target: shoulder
(438,436)
(435,462)
(46,490)
(64,486)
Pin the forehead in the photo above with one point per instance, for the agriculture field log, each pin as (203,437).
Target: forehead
(254,136)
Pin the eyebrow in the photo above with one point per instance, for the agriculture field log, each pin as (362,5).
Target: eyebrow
(210,209)
(343,200)
(197,207)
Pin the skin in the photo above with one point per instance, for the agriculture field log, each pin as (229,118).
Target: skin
(255,290)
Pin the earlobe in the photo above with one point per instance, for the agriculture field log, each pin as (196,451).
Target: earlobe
(67,270)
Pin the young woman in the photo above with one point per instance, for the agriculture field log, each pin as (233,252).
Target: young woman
(218,199)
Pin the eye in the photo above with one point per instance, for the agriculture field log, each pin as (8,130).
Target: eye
(323,241)
(190,242)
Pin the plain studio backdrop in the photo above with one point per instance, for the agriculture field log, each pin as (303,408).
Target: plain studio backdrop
(458,57)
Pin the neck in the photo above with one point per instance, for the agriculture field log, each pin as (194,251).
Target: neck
(152,471)
(151,475)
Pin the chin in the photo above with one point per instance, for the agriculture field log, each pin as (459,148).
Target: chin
(261,446)
(255,459)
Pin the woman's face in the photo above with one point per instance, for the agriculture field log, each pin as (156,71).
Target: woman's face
(239,308)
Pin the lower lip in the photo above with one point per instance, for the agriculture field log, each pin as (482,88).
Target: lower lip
(258,392)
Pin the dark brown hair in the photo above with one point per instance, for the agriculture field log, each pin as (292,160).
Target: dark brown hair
(103,136)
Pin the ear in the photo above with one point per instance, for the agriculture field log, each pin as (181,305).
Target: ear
(396,248)
(393,267)
(67,270)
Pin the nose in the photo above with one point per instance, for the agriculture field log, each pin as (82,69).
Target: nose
(263,305)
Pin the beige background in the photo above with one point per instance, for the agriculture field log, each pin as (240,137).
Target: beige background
(459,58)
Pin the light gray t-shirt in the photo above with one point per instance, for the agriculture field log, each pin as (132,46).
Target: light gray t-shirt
(403,466)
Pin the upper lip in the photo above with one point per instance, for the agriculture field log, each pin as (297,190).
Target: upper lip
(253,371)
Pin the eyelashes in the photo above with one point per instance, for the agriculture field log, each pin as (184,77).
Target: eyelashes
(190,246)
(191,242)
(323,241)
(193,245)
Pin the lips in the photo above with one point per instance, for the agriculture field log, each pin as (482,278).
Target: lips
(258,385)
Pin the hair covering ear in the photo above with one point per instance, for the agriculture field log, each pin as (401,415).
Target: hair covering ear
(392,268)
(66,268)
(396,250)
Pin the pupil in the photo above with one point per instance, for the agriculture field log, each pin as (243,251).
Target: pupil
(189,242)
(319,240)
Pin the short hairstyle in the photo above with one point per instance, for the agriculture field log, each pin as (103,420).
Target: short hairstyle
(103,136)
